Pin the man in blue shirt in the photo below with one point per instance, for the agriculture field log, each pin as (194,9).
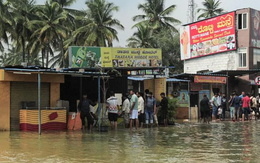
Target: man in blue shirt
(236,103)
(150,108)
(241,103)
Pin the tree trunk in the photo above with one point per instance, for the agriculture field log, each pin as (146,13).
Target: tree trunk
(43,57)
(23,44)
(62,53)
(47,57)
(28,56)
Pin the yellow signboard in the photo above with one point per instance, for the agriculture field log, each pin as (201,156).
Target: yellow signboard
(132,57)
(106,57)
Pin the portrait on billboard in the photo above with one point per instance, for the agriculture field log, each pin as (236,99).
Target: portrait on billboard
(255,32)
(185,42)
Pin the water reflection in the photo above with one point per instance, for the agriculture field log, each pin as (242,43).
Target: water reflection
(217,142)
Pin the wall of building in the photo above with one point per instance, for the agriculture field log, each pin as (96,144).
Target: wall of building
(216,62)
(4,106)
(25,91)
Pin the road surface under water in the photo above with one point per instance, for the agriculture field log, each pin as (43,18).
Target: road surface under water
(187,142)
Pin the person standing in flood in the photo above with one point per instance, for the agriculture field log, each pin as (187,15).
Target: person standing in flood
(126,111)
(236,103)
(140,108)
(133,110)
(112,106)
(231,106)
(150,109)
(164,107)
(241,106)
(84,109)
(205,109)
(224,106)
(214,103)
(246,107)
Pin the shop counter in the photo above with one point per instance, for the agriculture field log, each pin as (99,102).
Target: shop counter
(50,120)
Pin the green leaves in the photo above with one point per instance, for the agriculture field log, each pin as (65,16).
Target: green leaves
(211,9)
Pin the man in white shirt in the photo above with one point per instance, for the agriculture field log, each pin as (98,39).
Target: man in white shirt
(126,111)
(140,108)
(112,106)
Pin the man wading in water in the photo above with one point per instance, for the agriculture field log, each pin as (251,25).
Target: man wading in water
(84,110)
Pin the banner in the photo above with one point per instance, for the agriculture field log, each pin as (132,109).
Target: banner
(255,28)
(89,57)
(209,36)
(84,57)
(184,99)
(210,79)
(130,57)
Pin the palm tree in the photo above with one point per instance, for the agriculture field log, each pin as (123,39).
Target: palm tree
(98,25)
(143,38)
(49,28)
(156,16)
(23,12)
(211,9)
(6,24)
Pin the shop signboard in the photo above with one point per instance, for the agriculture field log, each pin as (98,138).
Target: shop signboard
(255,28)
(210,79)
(86,57)
(210,36)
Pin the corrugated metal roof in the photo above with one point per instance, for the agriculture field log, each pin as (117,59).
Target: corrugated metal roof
(176,80)
(54,71)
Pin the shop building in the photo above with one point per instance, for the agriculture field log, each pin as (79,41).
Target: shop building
(228,44)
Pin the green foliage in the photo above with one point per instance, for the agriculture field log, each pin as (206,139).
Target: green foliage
(172,108)
(48,30)
(156,30)
(210,9)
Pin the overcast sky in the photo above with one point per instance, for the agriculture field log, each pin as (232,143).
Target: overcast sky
(128,9)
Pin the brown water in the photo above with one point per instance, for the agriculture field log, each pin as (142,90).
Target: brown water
(218,142)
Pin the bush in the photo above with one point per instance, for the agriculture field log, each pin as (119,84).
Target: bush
(172,110)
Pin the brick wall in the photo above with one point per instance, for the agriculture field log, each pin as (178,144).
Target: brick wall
(25,91)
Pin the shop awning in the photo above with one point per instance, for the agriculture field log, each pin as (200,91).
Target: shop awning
(136,78)
(187,76)
(236,72)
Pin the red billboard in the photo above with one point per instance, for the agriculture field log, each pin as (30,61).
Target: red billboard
(214,35)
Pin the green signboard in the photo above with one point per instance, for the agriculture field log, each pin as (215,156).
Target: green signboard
(87,57)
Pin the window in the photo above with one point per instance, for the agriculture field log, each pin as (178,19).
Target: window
(242,58)
(242,21)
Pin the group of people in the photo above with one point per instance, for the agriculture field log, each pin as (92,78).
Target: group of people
(135,109)
(241,107)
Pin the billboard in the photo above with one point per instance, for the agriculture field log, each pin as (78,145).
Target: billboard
(255,29)
(89,57)
(214,35)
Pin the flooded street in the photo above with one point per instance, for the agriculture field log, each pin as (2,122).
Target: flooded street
(217,142)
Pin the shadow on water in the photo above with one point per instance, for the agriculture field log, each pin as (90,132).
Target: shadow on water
(185,142)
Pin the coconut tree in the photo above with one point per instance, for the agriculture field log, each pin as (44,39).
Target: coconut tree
(22,12)
(6,24)
(98,24)
(156,15)
(142,38)
(210,9)
(49,29)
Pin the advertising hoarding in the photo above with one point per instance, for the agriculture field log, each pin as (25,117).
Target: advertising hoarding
(89,57)
(255,28)
(214,35)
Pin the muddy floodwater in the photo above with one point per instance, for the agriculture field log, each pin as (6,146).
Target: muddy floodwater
(184,142)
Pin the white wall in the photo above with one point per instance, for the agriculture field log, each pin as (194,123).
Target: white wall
(215,62)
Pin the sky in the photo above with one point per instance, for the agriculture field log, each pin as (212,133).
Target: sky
(128,9)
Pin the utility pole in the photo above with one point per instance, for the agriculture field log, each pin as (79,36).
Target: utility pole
(191,11)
